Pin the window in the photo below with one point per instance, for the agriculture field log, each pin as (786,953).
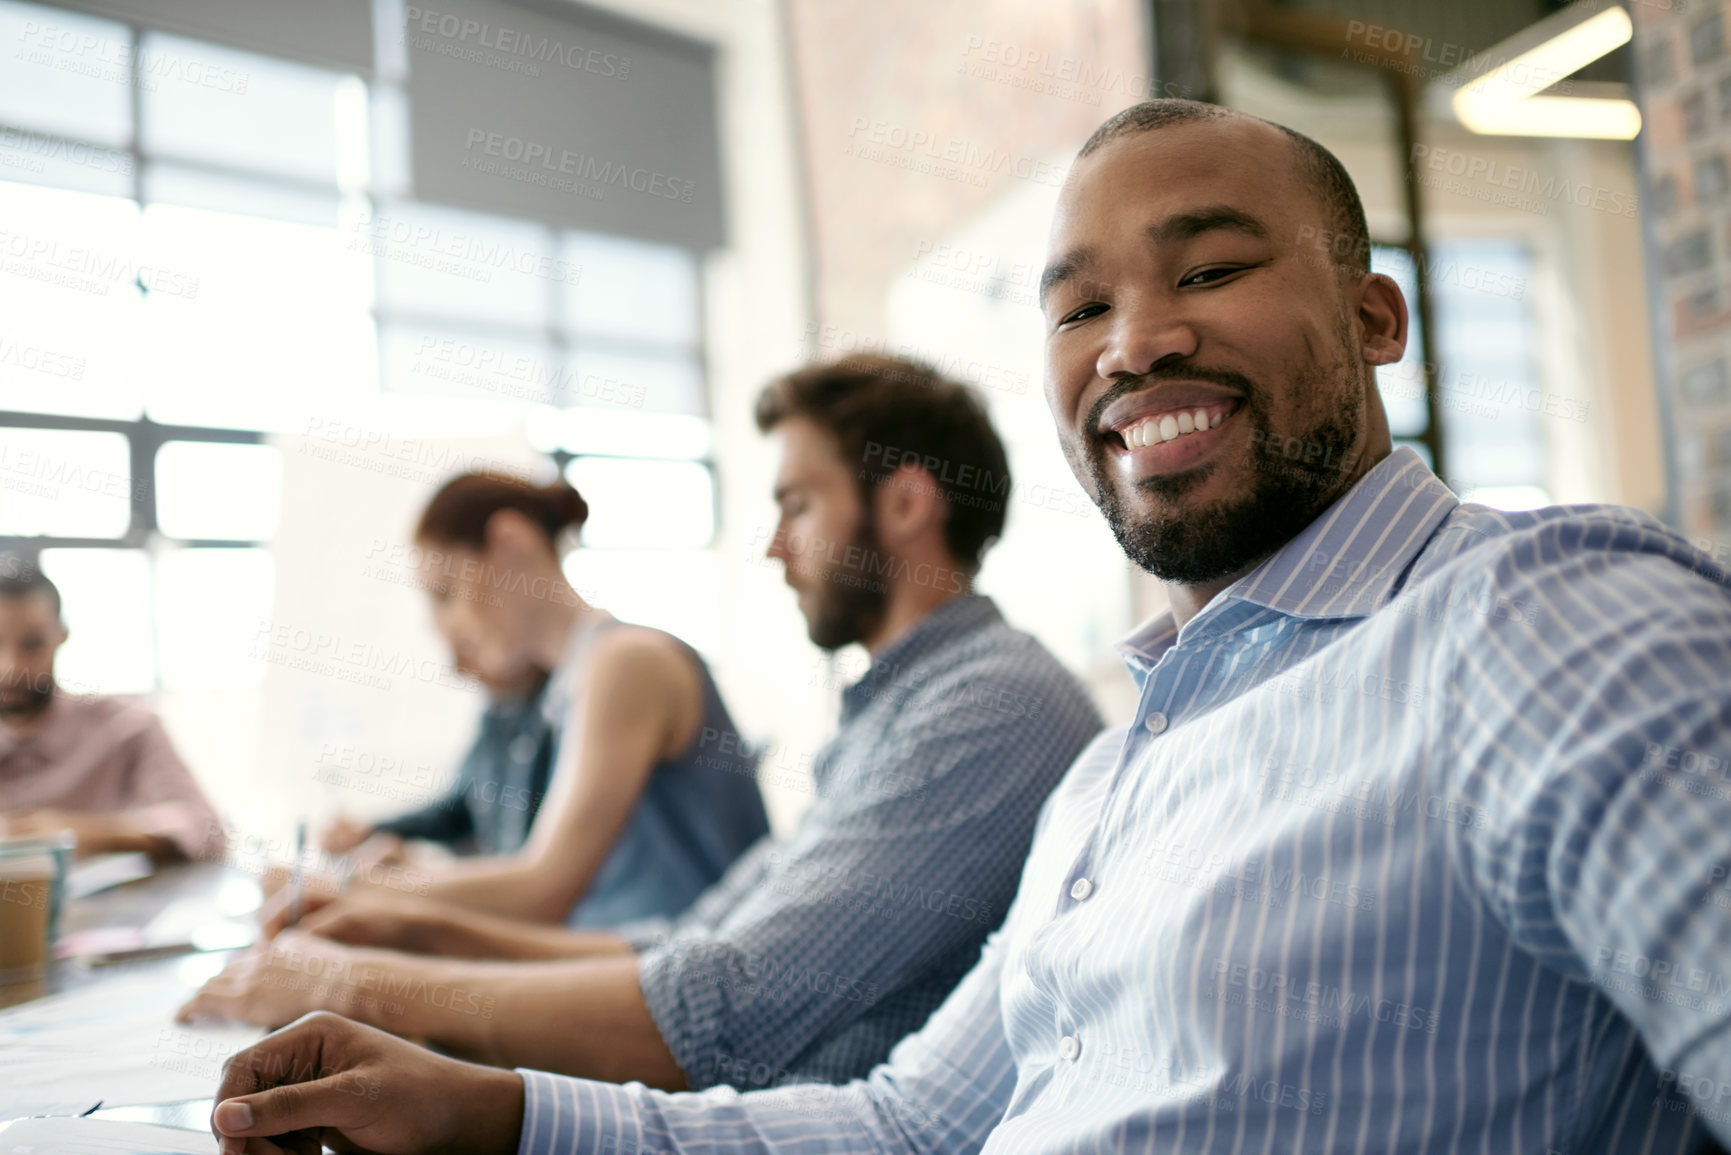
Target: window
(1493,402)
(598,337)
(202,246)
(1403,384)
(1488,393)
(65,483)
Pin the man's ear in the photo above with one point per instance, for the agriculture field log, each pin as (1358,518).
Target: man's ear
(906,504)
(1382,313)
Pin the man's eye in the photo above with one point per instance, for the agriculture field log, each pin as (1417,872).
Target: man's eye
(1083,313)
(1208,276)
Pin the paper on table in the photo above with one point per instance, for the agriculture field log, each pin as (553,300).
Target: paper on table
(114,1041)
(105,870)
(100,1137)
(169,933)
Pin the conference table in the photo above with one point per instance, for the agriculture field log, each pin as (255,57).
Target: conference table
(218,889)
(222,890)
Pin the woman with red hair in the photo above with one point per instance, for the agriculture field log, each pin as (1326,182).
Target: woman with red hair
(652,793)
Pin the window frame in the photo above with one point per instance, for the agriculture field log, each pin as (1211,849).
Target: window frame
(145,437)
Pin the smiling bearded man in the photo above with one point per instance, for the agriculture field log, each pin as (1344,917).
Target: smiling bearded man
(1401,850)
(1267,365)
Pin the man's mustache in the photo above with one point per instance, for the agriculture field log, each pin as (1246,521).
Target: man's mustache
(1176,371)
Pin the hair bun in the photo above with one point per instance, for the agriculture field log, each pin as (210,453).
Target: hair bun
(459,513)
(565,506)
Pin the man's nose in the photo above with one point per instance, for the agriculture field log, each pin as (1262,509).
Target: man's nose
(1142,334)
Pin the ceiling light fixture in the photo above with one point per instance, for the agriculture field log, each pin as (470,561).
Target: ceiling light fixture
(1503,102)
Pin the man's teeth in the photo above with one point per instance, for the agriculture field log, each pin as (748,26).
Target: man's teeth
(1168,426)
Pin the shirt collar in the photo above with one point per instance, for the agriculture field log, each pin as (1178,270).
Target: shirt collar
(1347,563)
(937,630)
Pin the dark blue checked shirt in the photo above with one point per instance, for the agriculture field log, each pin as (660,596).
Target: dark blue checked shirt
(813,955)
(1418,843)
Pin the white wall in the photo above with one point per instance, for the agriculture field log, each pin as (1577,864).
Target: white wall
(1056,572)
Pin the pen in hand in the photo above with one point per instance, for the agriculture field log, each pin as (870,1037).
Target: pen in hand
(295,879)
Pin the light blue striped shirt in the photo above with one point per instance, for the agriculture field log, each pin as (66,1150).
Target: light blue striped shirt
(1418,842)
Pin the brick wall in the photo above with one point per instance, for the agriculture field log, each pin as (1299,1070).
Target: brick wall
(1683,64)
(915,116)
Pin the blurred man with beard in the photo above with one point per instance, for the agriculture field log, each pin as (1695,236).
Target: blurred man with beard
(99,767)
(1417,840)
(814,953)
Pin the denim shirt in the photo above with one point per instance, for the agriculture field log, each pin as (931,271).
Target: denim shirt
(697,813)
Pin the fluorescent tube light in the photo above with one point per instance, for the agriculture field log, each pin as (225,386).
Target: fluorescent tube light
(1502,102)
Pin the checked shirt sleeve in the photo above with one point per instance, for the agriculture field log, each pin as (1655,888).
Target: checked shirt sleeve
(886,884)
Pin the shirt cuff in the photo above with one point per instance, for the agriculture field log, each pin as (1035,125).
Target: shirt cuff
(684,986)
(573,1116)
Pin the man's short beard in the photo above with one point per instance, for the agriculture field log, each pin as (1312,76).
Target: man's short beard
(1218,540)
(38,693)
(851,604)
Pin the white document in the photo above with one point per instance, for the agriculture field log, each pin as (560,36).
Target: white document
(105,870)
(100,1137)
(116,1042)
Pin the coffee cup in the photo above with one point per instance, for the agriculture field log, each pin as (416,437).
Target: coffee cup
(32,889)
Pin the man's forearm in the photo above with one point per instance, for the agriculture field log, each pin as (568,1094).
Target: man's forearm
(105,833)
(584,1017)
(417,998)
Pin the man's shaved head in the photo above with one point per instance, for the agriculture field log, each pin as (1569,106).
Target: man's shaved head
(1317,168)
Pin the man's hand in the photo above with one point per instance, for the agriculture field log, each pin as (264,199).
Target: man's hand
(277,982)
(22,823)
(325,1080)
(387,919)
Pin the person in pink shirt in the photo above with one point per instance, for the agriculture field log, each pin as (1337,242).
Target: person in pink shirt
(98,766)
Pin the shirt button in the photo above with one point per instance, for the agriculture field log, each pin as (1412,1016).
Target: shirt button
(1081,889)
(1156,723)
(1069,1047)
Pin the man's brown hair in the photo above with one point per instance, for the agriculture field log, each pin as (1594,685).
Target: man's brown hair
(886,412)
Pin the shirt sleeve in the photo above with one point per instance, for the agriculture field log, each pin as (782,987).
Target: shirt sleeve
(165,798)
(884,884)
(1594,737)
(941,1092)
